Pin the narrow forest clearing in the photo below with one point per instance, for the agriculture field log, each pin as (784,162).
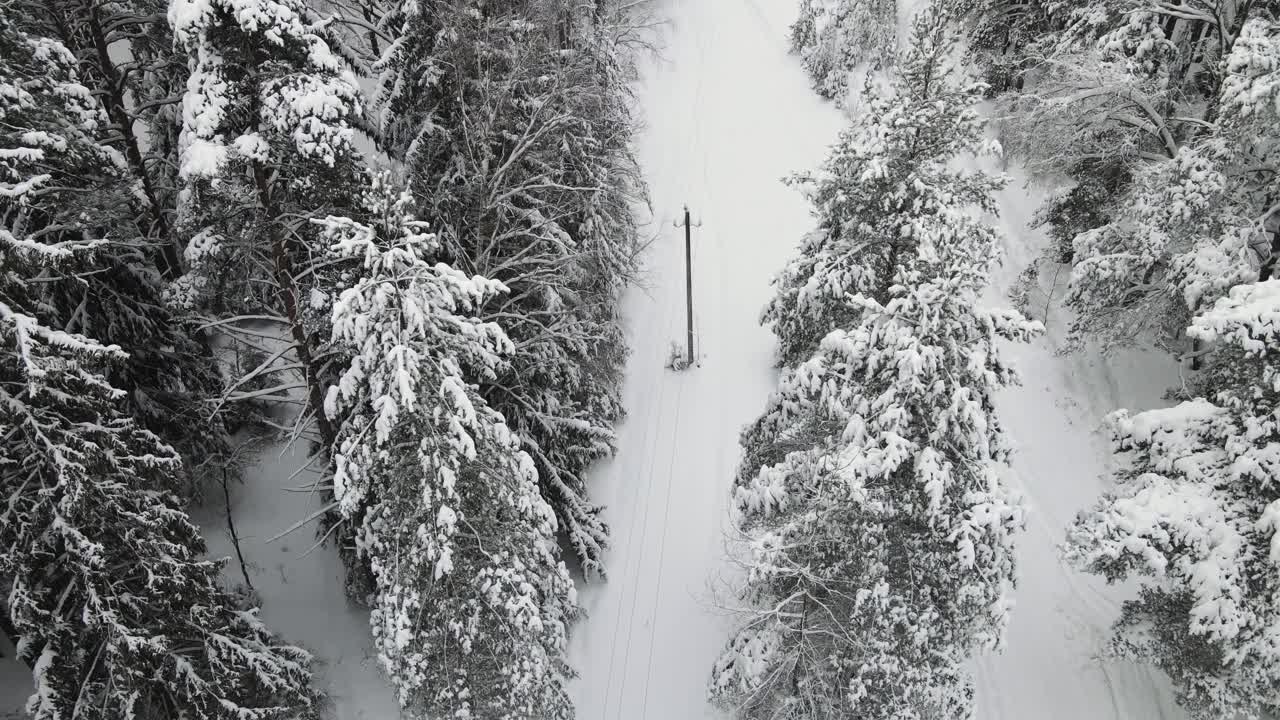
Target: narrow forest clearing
(1051,668)
(727,115)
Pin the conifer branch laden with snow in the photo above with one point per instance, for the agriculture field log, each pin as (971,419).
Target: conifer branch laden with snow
(94,186)
(878,530)
(1197,511)
(1194,505)
(113,606)
(835,38)
(885,173)
(1138,102)
(514,124)
(472,603)
(266,146)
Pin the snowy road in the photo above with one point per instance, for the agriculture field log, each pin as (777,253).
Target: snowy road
(728,114)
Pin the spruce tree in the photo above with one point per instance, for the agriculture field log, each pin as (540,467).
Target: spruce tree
(893,167)
(472,604)
(514,125)
(265,147)
(878,531)
(168,375)
(107,592)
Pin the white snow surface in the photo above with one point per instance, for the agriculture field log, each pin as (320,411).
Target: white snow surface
(1054,666)
(301,587)
(15,683)
(729,113)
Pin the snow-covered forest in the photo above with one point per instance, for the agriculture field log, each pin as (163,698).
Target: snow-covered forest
(342,371)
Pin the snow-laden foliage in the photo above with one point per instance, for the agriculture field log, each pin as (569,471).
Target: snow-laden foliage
(1179,241)
(835,38)
(890,170)
(513,122)
(878,529)
(1251,88)
(1197,510)
(1173,171)
(92,187)
(1082,106)
(472,603)
(303,96)
(265,128)
(1192,227)
(266,146)
(1001,33)
(112,604)
(114,608)
(127,59)
(880,547)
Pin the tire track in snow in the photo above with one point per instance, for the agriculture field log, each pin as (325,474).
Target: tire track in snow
(739,107)
(662,551)
(650,431)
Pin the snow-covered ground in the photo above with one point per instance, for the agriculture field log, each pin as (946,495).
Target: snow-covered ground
(728,114)
(1051,669)
(301,586)
(15,683)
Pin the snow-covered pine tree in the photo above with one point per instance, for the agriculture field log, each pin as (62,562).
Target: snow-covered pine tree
(878,530)
(514,124)
(880,543)
(266,146)
(834,38)
(472,602)
(1196,509)
(105,588)
(891,168)
(167,374)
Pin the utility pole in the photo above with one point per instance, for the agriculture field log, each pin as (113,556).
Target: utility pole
(688,278)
